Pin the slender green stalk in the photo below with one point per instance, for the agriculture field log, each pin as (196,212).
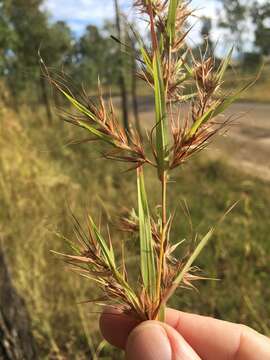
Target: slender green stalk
(163,236)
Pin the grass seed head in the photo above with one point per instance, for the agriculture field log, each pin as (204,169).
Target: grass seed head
(177,78)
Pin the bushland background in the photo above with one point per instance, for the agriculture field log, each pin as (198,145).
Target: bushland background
(42,174)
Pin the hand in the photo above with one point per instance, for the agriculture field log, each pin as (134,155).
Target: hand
(183,337)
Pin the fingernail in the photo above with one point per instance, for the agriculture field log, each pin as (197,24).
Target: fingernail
(148,341)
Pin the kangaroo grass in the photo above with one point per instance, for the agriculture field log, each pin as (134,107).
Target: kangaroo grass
(168,66)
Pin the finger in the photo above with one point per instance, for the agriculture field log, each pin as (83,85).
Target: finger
(115,326)
(152,340)
(209,337)
(206,335)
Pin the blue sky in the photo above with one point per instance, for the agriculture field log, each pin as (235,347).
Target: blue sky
(79,13)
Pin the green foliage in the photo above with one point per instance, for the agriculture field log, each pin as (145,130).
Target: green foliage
(251,62)
(96,55)
(234,18)
(261,16)
(26,29)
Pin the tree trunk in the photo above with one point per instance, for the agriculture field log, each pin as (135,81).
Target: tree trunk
(16,340)
(45,99)
(122,83)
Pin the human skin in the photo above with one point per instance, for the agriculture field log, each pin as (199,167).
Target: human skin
(183,336)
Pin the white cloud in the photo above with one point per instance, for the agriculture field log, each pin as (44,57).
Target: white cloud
(79,13)
(71,10)
(82,11)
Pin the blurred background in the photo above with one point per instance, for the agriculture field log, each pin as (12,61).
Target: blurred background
(42,174)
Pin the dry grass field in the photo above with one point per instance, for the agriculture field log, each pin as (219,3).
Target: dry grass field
(41,177)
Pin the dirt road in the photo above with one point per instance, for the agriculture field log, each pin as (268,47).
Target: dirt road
(247,144)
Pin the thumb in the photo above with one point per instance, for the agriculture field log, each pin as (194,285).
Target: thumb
(153,340)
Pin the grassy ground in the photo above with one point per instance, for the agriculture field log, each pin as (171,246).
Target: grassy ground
(259,92)
(40,177)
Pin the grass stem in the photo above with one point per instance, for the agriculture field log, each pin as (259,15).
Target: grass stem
(163,235)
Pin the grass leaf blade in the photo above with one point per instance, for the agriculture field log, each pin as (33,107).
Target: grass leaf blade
(171,20)
(193,256)
(106,251)
(161,116)
(224,65)
(148,265)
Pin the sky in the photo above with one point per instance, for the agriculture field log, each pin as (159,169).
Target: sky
(79,13)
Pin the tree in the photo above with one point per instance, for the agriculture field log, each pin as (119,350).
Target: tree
(206,33)
(7,40)
(30,31)
(113,57)
(261,18)
(29,24)
(234,18)
(7,37)
(91,57)
(122,83)
(57,46)
(56,51)
(134,70)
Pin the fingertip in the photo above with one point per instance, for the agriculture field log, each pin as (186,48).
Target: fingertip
(152,340)
(148,341)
